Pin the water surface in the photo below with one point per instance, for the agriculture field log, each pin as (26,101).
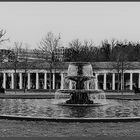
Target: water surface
(47,108)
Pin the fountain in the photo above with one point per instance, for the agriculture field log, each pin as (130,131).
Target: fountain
(80,73)
(83,102)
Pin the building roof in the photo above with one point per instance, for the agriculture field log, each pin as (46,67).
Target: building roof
(112,65)
(64,65)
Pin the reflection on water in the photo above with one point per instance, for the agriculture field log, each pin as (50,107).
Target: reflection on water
(47,108)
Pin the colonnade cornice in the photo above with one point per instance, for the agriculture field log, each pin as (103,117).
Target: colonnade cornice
(64,71)
(115,71)
(32,71)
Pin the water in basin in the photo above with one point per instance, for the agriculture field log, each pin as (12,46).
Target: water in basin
(47,108)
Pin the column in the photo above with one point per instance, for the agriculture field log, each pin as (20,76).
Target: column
(12,80)
(139,81)
(37,80)
(113,81)
(122,80)
(53,80)
(62,81)
(96,81)
(70,84)
(4,80)
(20,80)
(29,86)
(87,84)
(104,81)
(45,80)
(131,81)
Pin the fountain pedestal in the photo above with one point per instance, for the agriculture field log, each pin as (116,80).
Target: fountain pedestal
(79,98)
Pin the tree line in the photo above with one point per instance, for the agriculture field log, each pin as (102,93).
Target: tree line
(107,51)
(112,51)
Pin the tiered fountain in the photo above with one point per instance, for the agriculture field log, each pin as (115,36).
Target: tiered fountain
(82,102)
(81,73)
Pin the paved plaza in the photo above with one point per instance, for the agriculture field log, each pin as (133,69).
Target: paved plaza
(10,128)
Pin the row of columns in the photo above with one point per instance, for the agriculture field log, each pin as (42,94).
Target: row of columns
(62,81)
(29,80)
(37,81)
(113,81)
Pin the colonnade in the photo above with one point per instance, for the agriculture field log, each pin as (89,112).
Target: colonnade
(20,82)
(62,75)
(131,83)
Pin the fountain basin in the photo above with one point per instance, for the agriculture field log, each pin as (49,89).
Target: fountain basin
(45,109)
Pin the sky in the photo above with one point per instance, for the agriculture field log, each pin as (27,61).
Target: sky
(29,22)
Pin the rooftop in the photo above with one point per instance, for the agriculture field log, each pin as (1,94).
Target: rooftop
(64,65)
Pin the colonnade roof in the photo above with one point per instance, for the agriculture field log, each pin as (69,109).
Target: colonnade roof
(64,65)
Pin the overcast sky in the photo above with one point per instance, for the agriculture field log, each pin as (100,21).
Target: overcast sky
(30,21)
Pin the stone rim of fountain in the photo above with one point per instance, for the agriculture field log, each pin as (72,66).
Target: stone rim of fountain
(64,119)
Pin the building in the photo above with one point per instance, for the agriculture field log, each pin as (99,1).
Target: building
(29,55)
(38,76)
(59,54)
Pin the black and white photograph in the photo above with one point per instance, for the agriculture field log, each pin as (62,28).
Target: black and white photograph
(70,69)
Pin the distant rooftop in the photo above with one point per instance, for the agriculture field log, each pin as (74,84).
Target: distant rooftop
(64,65)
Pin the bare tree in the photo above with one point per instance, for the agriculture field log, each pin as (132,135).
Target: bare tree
(89,51)
(26,63)
(121,64)
(2,36)
(76,44)
(16,49)
(46,51)
(2,40)
(77,49)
